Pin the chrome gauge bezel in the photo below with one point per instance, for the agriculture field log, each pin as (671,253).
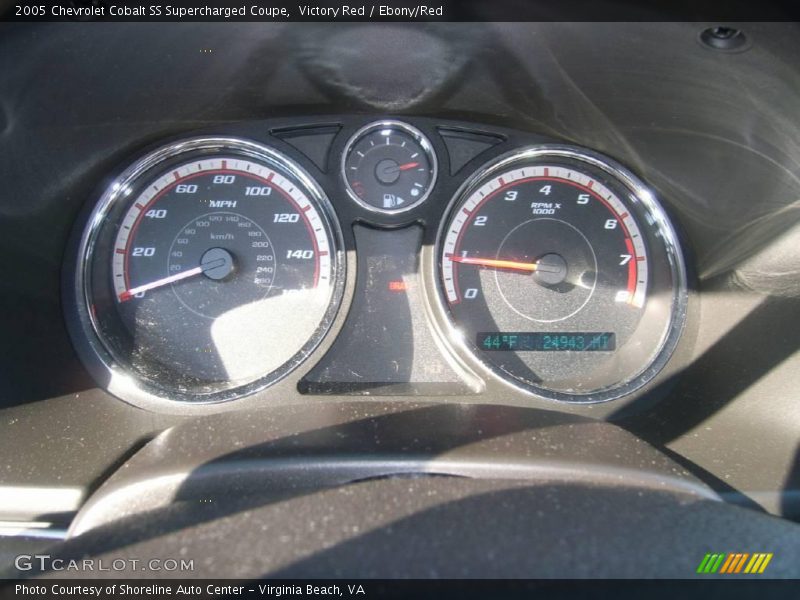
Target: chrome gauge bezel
(649,207)
(99,355)
(417,135)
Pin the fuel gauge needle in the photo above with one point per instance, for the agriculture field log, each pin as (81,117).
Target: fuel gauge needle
(496,264)
(128,294)
(405,167)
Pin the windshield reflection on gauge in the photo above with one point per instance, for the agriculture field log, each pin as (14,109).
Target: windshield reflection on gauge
(215,272)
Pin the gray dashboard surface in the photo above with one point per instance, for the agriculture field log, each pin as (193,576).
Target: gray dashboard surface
(716,134)
(443,527)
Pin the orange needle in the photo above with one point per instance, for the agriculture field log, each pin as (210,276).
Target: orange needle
(497,264)
(407,166)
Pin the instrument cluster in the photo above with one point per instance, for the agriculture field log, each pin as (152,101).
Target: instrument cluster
(374,257)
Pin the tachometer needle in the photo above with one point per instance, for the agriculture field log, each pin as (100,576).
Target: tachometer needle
(496,264)
(128,294)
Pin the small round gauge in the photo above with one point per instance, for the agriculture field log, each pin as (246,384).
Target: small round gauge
(208,270)
(561,273)
(389,167)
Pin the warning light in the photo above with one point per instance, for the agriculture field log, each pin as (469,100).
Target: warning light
(398,286)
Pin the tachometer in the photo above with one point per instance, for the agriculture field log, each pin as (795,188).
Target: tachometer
(209,269)
(562,273)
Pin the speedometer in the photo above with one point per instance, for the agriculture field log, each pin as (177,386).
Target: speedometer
(562,273)
(208,270)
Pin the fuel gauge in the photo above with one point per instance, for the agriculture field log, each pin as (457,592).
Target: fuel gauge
(389,167)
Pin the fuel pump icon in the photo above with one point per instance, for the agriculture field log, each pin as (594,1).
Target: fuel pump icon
(391,201)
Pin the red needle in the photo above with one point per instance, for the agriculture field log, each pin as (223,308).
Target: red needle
(128,294)
(407,166)
(497,264)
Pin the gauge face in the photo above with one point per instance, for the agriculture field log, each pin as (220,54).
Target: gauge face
(389,167)
(212,269)
(562,274)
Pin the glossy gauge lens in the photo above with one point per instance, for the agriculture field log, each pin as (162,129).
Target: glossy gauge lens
(562,274)
(389,167)
(211,269)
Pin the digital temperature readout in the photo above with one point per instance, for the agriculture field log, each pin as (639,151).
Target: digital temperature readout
(547,342)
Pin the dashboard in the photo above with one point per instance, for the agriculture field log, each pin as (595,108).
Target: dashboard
(406,274)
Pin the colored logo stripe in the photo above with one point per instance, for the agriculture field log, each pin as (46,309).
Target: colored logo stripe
(734,562)
(758,563)
(710,563)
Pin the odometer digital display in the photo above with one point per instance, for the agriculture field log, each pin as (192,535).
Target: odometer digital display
(555,243)
(526,341)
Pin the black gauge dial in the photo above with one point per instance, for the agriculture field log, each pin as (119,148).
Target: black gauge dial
(389,167)
(561,272)
(210,268)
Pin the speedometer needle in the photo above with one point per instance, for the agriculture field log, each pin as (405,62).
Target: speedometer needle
(128,294)
(206,266)
(496,264)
